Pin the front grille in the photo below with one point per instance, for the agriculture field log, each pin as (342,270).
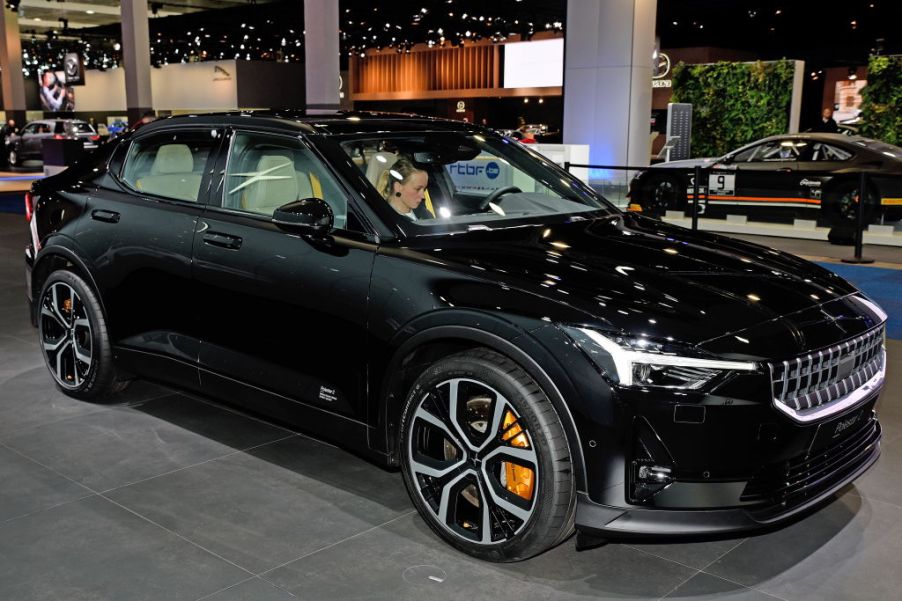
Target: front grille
(779,488)
(823,376)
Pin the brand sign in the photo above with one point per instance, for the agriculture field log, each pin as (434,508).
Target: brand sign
(461,106)
(220,74)
(479,175)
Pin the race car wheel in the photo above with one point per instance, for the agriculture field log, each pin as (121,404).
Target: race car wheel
(841,203)
(661,194)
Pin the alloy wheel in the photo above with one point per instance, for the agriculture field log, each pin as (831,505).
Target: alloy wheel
(66,335)
(473,461)
(13,158)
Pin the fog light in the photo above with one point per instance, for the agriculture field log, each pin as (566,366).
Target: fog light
(651,467)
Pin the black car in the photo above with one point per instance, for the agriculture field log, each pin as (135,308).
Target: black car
(446,301)
(807,175)
(29,143)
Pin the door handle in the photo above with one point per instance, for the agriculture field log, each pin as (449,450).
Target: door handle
(222,240)
(785,170)
(104,215)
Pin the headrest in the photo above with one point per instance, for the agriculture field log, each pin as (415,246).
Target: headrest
(277,182)
(172,158)
(379,163)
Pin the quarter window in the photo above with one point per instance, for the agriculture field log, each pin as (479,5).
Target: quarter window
(170,164)
(266,171)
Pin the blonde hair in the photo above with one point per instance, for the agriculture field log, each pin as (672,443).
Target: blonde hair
(400,172)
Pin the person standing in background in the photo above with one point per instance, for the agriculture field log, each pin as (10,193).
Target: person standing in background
(826,124)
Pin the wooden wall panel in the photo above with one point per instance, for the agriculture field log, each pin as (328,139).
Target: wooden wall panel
(474,67)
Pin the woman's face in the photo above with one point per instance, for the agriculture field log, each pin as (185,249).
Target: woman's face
(412,191)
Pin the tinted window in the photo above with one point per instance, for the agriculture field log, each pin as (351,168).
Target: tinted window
(267,171)
(828,152)
(169,164)
(778,150)
(30,128)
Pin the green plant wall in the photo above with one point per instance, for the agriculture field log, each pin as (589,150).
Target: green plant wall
(881,108)
(734,103)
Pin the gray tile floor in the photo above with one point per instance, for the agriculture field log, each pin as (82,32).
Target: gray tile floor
(167,496)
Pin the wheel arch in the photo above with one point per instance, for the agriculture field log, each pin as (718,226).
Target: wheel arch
(57,255)
(425,347)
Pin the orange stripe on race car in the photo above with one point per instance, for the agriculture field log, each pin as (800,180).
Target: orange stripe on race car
(813,201)
(891,201)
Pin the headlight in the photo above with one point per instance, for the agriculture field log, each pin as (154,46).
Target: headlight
(645,362)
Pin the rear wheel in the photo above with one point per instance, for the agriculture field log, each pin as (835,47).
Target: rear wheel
(840,204)
(73,338)
(485,458)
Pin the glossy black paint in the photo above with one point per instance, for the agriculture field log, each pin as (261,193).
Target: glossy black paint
(327,330)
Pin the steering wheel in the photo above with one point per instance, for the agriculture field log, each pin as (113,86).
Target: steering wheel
(496,196)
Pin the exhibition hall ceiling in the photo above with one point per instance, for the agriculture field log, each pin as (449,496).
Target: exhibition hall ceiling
(823,34)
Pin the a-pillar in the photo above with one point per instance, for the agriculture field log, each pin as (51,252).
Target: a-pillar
(11,67)
(136,58)
(321,55)
(608,79)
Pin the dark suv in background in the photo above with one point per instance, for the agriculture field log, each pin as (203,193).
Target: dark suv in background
(29,143)
(446,301)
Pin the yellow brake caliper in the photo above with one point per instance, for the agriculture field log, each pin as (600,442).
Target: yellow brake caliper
(520,479)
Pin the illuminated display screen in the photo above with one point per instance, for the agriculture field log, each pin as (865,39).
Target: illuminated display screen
(534,64)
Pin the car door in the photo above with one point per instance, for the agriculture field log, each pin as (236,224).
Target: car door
(769,177)
(29,141)
(137,233)
(818,165)
(284,312)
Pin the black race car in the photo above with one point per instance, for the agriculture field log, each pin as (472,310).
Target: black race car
(444,300)
(807,175)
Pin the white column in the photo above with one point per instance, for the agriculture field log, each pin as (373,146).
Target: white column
(607,78)
(321,54)
(136,58)
(11,67)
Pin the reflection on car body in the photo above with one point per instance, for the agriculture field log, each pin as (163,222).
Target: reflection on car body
(531,358)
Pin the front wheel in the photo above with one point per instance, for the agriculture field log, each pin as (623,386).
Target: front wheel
(485,458)
(661,194)
(13,158)
(73,338)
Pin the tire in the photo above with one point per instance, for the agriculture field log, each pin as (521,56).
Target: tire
(73,337)
(840,204)
(660,194)
(13,158)
(476,427)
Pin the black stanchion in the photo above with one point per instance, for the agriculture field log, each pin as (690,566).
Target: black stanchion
(859,222)
(698,183)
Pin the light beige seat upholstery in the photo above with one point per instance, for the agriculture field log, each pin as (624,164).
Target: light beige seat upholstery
(276,184)
(172,174)
(379,163)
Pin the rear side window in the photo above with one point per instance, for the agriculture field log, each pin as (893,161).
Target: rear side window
(266,171)
(170,164)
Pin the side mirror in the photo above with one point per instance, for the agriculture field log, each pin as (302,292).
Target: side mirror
(311,214)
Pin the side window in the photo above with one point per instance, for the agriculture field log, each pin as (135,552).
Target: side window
(777,150)
(745,155)
(826,152)
(170,164)
(30,128)
(267,171)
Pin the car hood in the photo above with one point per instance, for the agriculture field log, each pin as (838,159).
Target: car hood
(632,274)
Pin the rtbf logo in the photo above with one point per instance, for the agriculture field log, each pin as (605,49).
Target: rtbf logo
(491,169)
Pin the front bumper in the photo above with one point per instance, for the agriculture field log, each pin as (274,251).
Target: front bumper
(775,495)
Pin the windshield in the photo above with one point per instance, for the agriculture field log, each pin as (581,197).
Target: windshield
(441,181)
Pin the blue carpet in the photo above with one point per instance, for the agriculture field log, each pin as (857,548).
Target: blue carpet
(882,285)
(12,202)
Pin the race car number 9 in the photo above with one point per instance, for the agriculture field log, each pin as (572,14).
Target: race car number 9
(722,184)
